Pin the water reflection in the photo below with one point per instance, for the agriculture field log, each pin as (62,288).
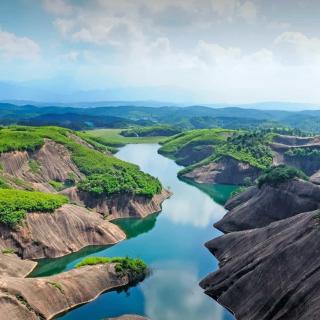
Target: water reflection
(135,227)
(48,267)
(181,280)
(188,206)
(171,243)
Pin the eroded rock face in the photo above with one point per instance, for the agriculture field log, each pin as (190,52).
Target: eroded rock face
(44,298)
(225,171)
(119,206)
(269,273)
(54,162)
(13,266)
(67,230)
(257,208)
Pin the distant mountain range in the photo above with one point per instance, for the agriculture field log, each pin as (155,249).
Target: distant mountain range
(193,117)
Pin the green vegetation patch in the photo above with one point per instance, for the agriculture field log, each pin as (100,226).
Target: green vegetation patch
(153,131)
(34,166)
(106,175)
(124,266)
(15,204)
(57,185)
(56,285)
(18,138)
(197,137)
(251,147)
(277,175)
(113,138)
(8,251)
(312,153)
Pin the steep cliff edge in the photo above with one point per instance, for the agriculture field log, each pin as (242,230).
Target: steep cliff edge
(269,257)
(224,171)
(257,208)
(119,206)
(270,273)
(69,229)
(44,298)
(12,266)
(53,163)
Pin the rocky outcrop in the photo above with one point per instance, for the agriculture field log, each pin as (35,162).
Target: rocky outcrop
(257,208)
(296,141)
(281,144)
(119,206)
(12,266)
(270,273)
(308,165)
(53,162)
(44,298)
(67,230)
(225,171)
(193,153)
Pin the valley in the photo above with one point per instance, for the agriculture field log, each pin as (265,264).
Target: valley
(123,219)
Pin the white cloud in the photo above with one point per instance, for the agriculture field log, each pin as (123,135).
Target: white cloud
(248,11)
(58,7)
(71,56)
(212,53)
(233,9)
(297,48)
(12,46)
(64,26)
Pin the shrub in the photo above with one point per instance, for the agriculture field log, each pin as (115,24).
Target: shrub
(56,285)
(34,166)
(15,204)
(8,251)
(105,174)
(133,268)
(57,185)
(276,175)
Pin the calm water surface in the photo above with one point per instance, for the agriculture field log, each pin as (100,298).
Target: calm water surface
(171,243)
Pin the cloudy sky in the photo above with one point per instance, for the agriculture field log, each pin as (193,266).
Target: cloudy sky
(204,51)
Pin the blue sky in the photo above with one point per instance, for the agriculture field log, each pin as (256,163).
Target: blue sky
(204,51)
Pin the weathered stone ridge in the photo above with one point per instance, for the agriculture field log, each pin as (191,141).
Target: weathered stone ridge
(119,206)
(269,259)
(67,230)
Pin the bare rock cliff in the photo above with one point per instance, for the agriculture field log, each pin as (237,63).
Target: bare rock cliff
(67,230)
(225,171)
(44,298)
(257,208)
(13,266)
(119,206)
(270,273)
(53,160)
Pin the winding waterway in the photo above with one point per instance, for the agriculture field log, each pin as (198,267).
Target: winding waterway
(170,242)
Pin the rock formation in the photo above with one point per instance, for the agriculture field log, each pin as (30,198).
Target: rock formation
(269,273)
(269,259)
(67,230)
(256,207)
(116,207)
(44,298)
(225,171)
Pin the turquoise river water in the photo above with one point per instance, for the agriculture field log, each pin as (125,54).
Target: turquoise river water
(171,243)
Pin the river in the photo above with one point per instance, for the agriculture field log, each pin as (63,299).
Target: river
(171,243)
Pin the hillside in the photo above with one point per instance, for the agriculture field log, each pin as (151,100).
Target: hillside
(44,168)
(239,157)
